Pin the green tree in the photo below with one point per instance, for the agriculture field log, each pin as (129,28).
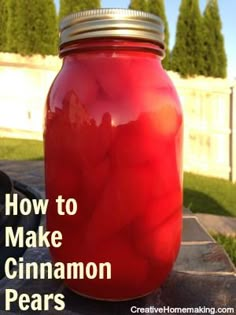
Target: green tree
(214,51)
(32,29)
(188,52)
(42,31)
(138,5)
(3,25)
(13,31)
(158,7)
(71,6)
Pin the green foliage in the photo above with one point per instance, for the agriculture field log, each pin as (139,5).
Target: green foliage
(32,29)
(3,25)
(71,6)
(188,52)
(229,244)
(141,5)
(158,7)
(214,51)
(13,30)
(20,149)
(209,195)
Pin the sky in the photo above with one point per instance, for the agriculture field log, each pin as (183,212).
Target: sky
(228,18)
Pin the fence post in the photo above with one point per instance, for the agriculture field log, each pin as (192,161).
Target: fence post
(233,133)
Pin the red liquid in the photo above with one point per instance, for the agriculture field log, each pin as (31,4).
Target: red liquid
(113,141)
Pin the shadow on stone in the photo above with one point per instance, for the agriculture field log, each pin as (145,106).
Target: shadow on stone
(195,200)
(94,307)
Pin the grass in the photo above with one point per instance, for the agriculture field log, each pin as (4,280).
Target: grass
(229,244)
(20,149)
(209,195)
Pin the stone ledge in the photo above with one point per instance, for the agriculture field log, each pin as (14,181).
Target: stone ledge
(203,258)
(192,290)
(218,224)
(193,231)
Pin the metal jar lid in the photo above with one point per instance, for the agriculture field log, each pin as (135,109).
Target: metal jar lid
(112,23)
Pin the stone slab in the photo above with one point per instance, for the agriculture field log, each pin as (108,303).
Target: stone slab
(218,224)
(193,290)
(28,172)
(203,258)
(193,231)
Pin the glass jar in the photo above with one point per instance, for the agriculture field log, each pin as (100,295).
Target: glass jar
(113,141)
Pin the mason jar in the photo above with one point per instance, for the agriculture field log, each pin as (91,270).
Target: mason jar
(113,142)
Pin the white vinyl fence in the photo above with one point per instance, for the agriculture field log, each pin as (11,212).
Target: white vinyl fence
(209,107)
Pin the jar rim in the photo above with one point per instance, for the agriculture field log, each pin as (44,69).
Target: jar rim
(112,23)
